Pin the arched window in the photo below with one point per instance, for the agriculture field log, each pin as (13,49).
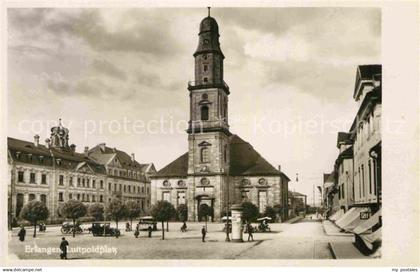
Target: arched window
(204,113)
(204,155)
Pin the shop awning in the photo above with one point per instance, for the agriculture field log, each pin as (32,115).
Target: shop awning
(337,215)
(368,224)
(371,238)
(351,218)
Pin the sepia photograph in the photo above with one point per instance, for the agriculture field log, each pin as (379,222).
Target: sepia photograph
(195,133)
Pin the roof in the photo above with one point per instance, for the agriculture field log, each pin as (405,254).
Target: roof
(298,194)
(177,168)
(366,72)
(343,137)
(103,154)
(27,152)
(244,161)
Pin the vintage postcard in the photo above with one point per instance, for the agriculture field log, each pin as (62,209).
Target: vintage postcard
(206,132)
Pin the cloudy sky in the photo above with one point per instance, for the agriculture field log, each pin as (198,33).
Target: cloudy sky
(119,76)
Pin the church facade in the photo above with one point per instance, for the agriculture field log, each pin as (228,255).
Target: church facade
(219,169)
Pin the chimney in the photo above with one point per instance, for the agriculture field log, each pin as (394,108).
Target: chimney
(48,143)
(102,147)
(279,168)
(86,150)
(36,140)
(133,158)
(73,148)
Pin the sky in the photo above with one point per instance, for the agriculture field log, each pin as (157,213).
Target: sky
(119,76)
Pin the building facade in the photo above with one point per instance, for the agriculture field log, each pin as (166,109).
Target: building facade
(358,167)
(55,173)
(344,170)
(219,168)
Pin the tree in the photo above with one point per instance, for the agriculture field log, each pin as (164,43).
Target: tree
(163,211)
(34,212)
(96,210)
(249,212)
(133,210)
(182,212)
(116,210)
(270,212)
(73,209)
(205,211)
(279,211)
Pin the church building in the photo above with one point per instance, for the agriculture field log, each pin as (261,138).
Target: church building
(219,169)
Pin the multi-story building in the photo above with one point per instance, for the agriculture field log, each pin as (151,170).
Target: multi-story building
(366,135)
(219,168)
(126,178)
(54,173)
(344,170)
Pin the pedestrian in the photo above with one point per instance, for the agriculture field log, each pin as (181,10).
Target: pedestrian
(63,247)
(136,233)
(203,234)
(250,230)
(22,233)
(149,230)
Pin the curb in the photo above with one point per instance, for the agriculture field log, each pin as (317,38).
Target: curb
(332,251)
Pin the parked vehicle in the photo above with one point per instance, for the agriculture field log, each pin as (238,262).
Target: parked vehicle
(67,227)
(146,221)
(103,229)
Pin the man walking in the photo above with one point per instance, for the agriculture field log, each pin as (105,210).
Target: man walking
(149,230)
(203,234)
(22,233)
(250,230)
(63,247)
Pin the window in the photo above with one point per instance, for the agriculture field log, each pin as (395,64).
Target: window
(109,186)
(115,173)
(120,188)
(93,183)
(363,181)
(83,183)
(70,196)
(374,177)
(78,182)
(83,197)
(71,181)
(262,200)
(78,196)
(142,190)
(205,68)
(101,184)
(124,188)
(205,80)
(87,183)
(204,156)
(32,178)
(148,190)
(129,188)
(43,179)
(87,198)
(166,196)
(181,198)
(43,199)
(115,187)
(342,193)
(225,153)
(101,198)
(20,176)
(370,177)
(31,197)
(61,180)
(93,198)
(60,197)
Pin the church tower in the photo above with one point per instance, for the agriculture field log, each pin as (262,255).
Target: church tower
(208,126)
(208,130)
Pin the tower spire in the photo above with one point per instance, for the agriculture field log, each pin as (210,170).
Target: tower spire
(208,8)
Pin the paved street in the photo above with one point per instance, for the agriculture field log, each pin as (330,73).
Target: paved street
(303,240)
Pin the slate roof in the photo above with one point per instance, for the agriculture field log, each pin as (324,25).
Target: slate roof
(366,72)
(343,137)
(103,157)
(27,152)
(244,161)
